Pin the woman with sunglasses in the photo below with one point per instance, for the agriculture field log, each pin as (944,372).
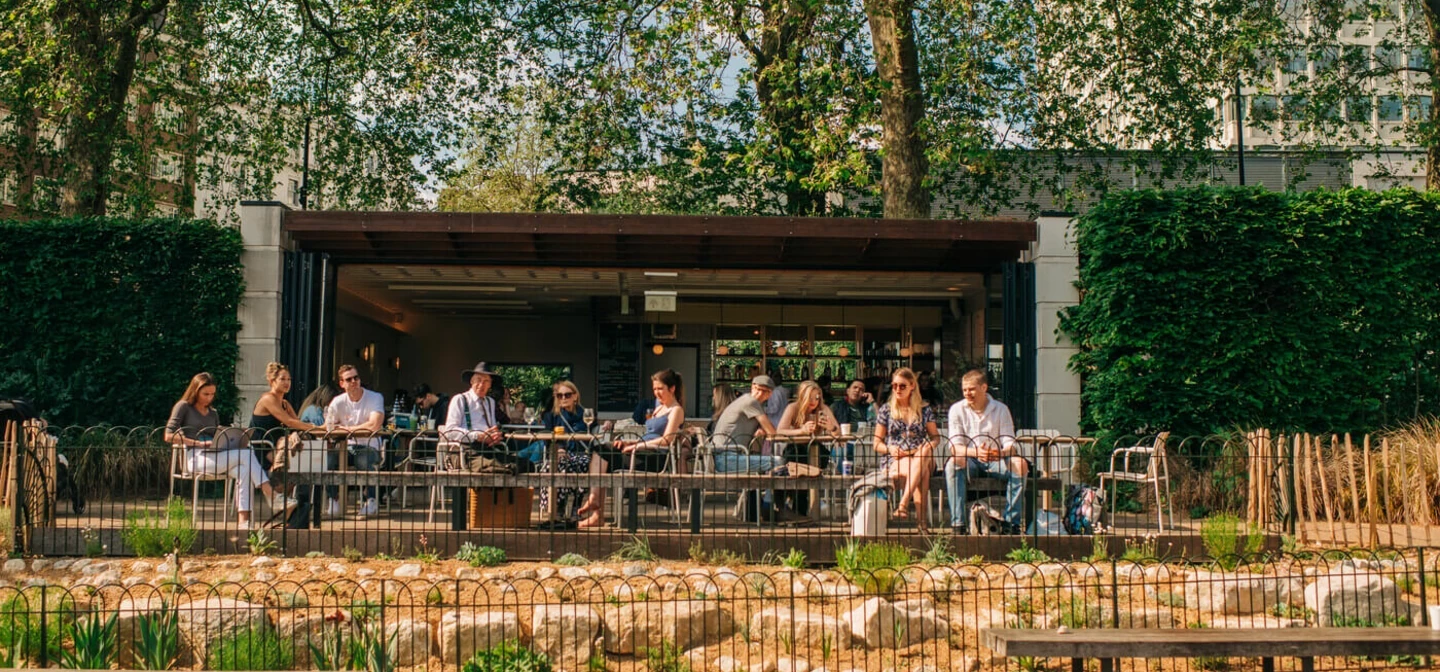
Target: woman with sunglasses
(905,438)
(567,413)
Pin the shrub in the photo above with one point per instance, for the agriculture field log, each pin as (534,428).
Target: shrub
(508,656)
(1228,539)
(666,658)
(1027,554)
(149,302)
(158,644)
(572,560)
(873,566)
(480,556)
(352,554)
(637,549)
(93,640)
(151,536)
(250,648)
(795,559)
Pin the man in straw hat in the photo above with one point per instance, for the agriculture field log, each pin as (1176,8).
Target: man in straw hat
(473,420)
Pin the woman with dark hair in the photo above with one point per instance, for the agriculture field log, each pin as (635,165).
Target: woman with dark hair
(312,408)
(662,430)
(193,424)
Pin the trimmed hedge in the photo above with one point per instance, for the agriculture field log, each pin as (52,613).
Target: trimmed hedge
(1212,309)
(104,320)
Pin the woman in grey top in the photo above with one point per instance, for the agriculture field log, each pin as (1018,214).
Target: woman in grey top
(193,424)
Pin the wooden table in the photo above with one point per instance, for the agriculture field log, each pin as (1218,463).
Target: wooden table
(813,444)
(1264,643)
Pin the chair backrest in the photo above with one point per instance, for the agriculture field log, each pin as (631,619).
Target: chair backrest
(1157,460)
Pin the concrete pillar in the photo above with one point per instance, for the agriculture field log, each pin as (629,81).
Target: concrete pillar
(1057,400)
(259,312)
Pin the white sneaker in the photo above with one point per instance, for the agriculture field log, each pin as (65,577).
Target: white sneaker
(280,502)
(332,507)
(369,508)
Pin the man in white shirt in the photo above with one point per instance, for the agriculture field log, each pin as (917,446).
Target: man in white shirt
(982,443)
(472,419)
(357,411)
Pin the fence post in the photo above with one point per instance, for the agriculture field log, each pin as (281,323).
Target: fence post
(1293,506)
(1115,594)
(1424,606)
(44,625)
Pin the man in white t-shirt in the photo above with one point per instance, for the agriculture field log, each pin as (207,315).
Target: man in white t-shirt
(982,443)
(359,413)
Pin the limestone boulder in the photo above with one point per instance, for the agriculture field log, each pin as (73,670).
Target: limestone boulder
(204,622)
(566,633)
(803,628)
(881,624)
(632,628)
(412,641)
(1236,594)
(127,626)
(464,633)
(1349,598)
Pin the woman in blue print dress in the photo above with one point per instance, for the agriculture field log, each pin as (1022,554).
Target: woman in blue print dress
(905,439)
(567,413)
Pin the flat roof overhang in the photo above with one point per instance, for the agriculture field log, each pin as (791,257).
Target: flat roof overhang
(660,241)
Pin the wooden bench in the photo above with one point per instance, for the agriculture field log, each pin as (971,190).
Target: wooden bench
(696,483)
(1264,643)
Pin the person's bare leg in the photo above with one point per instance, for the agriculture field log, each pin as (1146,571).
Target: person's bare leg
(920,475)
(589,506)
(908,466)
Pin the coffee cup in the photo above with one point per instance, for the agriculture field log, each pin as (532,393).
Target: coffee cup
(845,429)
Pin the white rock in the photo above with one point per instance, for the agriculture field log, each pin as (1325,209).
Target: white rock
(726,574)
(262,561)
(881,624)
(203,622)
(1344,597)
(496,577)
(1022,572)
(192,566)
(1230,593)
(666,571)
(285,567)
(316,569)
(34,583)
(572,573)
(634,627)
(764,666)
(792,665)
(633,570)
(727,664)
(467,574)
(127,630)
(464,633)
(544,573)
(132,581)
(565,632)
(63,563)
(162,568)
(79,564)
(409,570)
(89,570)
(14,565)
(39,564)
(603,572)
(105,578)
(528,574)
(364,571)
(338,568)
(227,564)
(141,567)
(263,575)
(238,576)
(809,628)
(412,641)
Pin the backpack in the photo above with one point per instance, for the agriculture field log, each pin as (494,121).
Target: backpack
(1083,506)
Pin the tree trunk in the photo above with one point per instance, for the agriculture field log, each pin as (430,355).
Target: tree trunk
(904,167)
(1431,137)
(100,74)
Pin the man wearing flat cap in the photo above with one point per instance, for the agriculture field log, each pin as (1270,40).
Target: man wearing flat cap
(741,426)
(472,418)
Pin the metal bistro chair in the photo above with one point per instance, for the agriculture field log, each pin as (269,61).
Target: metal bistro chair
(180,470)
(426,460)
(1155,472)
(672,466)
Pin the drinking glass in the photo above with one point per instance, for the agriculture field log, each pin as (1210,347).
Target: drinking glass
(530,416)
(589,418)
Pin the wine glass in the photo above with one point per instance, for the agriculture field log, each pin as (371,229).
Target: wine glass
(531,415)
(589,419)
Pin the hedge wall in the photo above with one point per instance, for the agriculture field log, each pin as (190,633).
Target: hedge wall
(105,320)
(1210,309)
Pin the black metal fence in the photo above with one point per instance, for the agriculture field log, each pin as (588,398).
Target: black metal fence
(875,611)
(109,491)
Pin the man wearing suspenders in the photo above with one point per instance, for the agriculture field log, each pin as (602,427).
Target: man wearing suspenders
(472,420)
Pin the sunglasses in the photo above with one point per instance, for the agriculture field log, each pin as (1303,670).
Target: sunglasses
(899,386)
(564,395)
(351,379)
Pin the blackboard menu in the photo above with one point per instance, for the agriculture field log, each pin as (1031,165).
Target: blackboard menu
(618,366)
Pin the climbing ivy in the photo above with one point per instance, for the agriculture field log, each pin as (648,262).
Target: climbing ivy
(1214,308)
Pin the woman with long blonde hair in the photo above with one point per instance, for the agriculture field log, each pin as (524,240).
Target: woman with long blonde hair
(905,438)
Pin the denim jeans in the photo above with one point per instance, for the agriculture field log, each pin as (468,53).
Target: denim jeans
(730,462)
(957,479)
(362,458)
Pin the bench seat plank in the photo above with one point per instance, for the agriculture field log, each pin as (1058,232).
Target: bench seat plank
(1212,642)
(630,479)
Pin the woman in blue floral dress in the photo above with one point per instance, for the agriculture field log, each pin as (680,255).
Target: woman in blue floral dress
(567,413)
(905,439)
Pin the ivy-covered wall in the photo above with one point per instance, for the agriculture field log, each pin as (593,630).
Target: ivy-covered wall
(105,320)
(1209,309)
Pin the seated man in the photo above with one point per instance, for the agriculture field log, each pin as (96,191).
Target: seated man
(357,413)
(473,421)
(742,423)
(982,440)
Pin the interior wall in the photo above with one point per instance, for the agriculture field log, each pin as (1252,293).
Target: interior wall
(354,332)
(441,346)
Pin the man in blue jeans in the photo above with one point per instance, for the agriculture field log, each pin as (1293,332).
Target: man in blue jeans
(982,443)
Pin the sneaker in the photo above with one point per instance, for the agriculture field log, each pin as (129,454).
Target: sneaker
(332,507)
(282,502)
(369,508)
(960,529)
(1009,529)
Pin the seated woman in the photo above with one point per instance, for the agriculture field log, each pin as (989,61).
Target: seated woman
(312,407)
(720,397)
(193,423)
(566,412)
(649,453)
(273,414)
(905,438)
(808,410)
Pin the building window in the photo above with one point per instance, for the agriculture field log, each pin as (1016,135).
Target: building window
(1391,109)
(1418,108)
(169,118)
(49,132)
(1294,107)
(1326,58)
(45,195)
(7,123)
(294,192)
(167,209)
(1294,62)
(166,166)
(9,189)
(1355,59)
(1359,108)
(1388,57)
(1264,108)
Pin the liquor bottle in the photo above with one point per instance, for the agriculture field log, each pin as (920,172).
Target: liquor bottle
(805,372)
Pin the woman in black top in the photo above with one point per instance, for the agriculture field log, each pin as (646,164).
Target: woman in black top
(273,414)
